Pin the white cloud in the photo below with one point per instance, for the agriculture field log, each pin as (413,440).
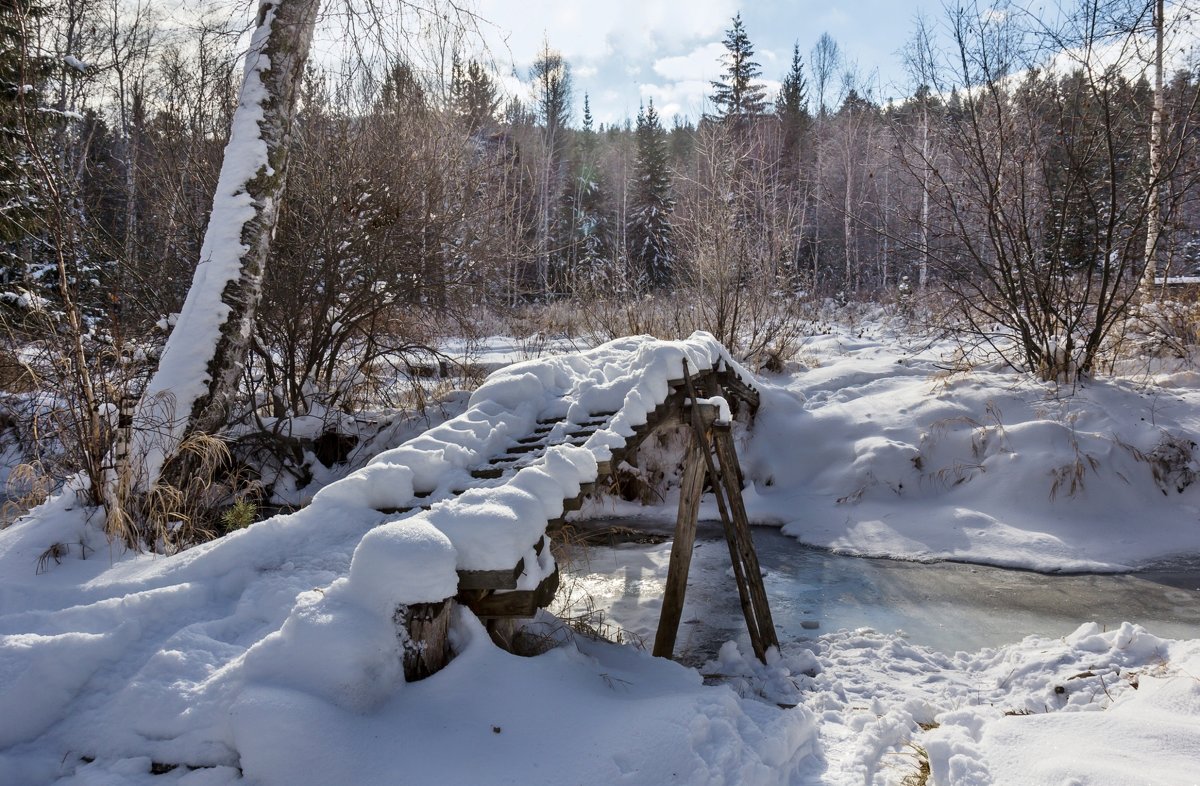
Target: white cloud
(592,31)
(702,63)
(687,97)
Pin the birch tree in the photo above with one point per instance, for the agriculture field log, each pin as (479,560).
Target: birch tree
(1155,162)
(198,372)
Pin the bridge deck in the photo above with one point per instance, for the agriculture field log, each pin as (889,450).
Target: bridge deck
(535,440)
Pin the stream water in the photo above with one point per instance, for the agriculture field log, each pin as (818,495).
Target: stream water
(947,606)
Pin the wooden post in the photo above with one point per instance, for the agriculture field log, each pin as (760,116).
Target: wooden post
(739,570)
(681,549)
(730,476)
(427,649)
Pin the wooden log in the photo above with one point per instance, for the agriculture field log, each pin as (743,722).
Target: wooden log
(681,549)
(427,643)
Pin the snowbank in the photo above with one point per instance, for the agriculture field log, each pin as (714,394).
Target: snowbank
(878,450)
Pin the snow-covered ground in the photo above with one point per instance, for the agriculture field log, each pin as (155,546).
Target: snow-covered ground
(268,656)
(875,450)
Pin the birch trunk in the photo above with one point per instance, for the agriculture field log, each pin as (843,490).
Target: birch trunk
(1153,209)
(198,373)
(923,271)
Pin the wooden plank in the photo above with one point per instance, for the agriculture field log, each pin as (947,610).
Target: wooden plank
(518,449)
(730,476)
(690,491)
(739,389)
(491,579)
(518,603)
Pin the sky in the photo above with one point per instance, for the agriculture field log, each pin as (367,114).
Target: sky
(625,52)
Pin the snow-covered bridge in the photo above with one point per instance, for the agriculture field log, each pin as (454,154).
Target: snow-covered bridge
(336,603)
(536,438)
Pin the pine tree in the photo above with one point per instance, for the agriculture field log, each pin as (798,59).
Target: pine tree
(551,77)
(738,96)
(651,247)
(791,107)
(587,228)
(473,95)
(587,115)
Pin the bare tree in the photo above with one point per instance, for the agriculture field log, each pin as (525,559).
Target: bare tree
(1155,162)
(1043,186)
(826,57)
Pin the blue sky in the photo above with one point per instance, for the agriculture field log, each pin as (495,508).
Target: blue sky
(623,52)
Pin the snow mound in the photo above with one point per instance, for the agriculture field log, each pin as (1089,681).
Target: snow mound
(877,450)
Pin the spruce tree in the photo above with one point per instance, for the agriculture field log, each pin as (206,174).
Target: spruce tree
(737,96)
(584,224)
(651,247)
(551,77)
(473,95)
(22,75)
(791,107)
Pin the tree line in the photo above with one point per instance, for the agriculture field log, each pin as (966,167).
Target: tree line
(1033,178)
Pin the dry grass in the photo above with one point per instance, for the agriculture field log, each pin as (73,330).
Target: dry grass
(920,777)
(1071,476)
(574,604)
(28,486)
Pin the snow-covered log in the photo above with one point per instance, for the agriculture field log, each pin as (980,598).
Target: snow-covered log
(198,372)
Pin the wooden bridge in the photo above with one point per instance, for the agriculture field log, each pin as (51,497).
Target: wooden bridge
(708,390)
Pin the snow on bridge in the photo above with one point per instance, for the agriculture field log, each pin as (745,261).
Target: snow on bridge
(536,438)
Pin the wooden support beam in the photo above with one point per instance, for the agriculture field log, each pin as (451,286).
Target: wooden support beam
(719,493)
(517,603)
(690,491)
(731,477)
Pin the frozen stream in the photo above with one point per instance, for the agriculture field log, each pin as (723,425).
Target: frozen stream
(946,606)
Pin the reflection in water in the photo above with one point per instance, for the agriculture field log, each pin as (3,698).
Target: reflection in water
(946,606)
